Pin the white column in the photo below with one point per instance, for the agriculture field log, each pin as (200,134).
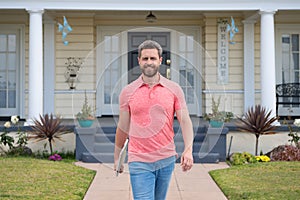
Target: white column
(49,65)
(267,61)
(249,66)
(35,90)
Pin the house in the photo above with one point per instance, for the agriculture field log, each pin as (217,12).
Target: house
(199,53)
(43,70)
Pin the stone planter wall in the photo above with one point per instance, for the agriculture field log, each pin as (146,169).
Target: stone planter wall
(242,141)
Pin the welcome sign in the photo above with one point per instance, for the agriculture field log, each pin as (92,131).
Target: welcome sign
(222,54)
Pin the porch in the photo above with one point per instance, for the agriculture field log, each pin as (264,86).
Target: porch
(211,145)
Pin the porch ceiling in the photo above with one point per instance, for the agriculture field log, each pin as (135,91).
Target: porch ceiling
(175,5)
(132,15)
(281,16)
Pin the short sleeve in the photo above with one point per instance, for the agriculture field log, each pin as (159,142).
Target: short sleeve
(124,100)
(179,99)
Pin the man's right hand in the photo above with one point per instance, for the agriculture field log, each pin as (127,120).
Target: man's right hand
(121,170)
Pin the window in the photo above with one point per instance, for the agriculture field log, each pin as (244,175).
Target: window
(288,70)
(8,70)
(290,58)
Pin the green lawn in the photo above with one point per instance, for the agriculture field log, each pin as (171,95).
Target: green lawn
(29,178)
(40,179)
(271,180)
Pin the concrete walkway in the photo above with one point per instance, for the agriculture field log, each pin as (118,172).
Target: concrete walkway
(193,185)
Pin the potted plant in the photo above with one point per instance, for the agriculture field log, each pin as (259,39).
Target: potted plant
(85,117)
(217,118)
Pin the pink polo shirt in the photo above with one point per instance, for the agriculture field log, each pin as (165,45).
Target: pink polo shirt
(151,118)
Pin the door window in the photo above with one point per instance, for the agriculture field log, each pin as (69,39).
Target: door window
(186,70)
(112,69)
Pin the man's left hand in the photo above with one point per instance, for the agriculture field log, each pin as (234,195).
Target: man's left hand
(187,160)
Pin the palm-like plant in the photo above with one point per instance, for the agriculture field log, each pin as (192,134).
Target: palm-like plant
(257,121)
(47,127)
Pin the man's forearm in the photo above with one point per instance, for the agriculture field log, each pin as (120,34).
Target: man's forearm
(119,142)
(186,128)
(187,134)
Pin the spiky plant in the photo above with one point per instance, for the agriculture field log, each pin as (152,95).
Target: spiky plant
(257,121)
(86,112)
(48,128)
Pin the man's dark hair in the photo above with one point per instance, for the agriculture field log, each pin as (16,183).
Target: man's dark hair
(150,44)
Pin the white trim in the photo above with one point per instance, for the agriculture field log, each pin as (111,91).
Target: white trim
(75,91)
(22,70)
(267,60)
(227,91)
(35,71)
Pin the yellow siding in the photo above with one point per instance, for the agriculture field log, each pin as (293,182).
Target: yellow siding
(81,44)
(68,105)
(230,101)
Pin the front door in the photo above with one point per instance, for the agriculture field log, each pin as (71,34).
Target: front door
(9,70)
(135,39)
(118,64)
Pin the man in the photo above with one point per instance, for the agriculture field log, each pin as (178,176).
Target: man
(147,108)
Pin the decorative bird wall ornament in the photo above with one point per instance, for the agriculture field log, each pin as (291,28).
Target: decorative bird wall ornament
(232,29)
(64,29)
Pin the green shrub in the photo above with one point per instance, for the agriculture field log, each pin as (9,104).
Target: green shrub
(242,158)
(19,151)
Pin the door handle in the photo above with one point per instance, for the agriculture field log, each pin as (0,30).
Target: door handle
(168,73)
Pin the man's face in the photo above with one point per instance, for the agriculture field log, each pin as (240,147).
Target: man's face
(149,62)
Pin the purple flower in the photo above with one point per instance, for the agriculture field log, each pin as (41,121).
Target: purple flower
(55,157)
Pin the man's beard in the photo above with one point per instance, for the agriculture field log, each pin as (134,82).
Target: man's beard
(149,70)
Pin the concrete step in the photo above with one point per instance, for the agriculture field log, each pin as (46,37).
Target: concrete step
(105,137)
(104,147)
(106,129)
(97,157)
(180,147)
(199,137)
(99,145)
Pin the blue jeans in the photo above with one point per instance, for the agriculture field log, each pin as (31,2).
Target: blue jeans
(150,181)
